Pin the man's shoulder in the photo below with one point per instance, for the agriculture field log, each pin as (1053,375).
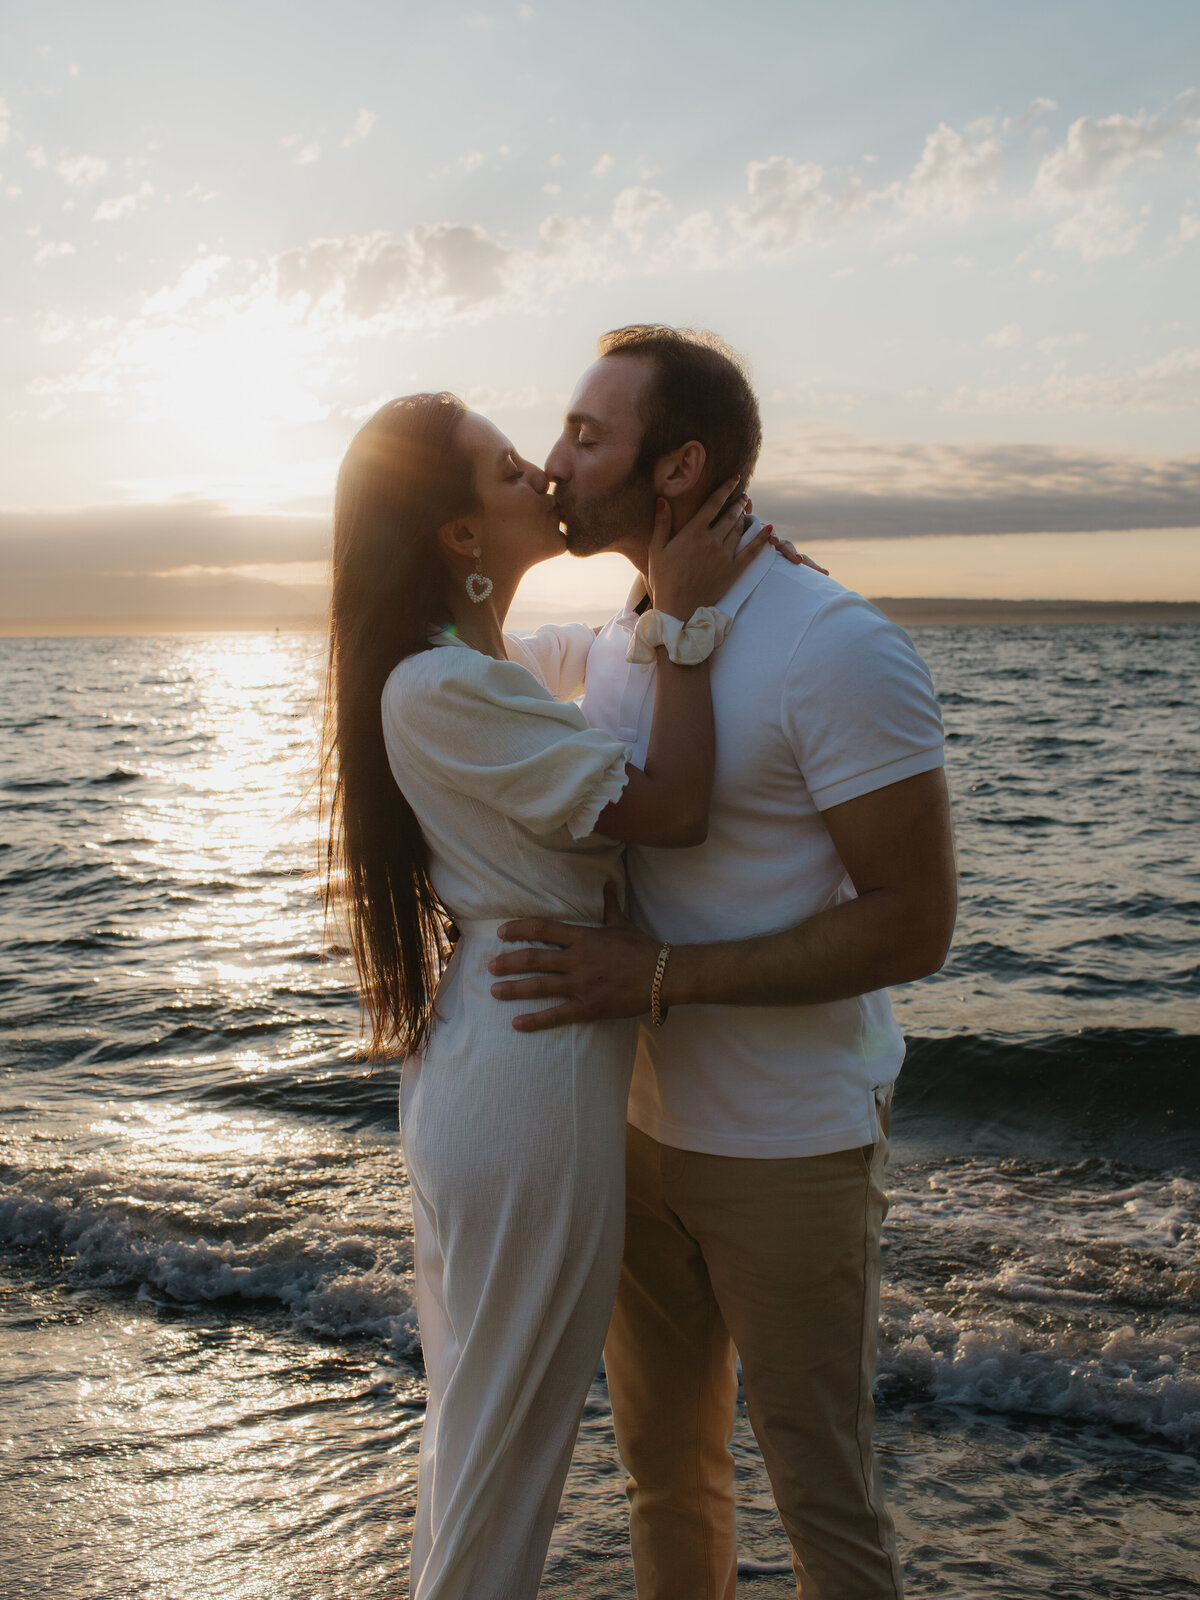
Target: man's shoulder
(805,611)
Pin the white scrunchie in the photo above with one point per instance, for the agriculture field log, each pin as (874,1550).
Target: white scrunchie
(687,643)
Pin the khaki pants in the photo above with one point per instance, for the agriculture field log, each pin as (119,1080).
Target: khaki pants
(780,1260)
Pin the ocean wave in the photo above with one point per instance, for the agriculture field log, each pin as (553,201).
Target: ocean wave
(351,1096)
(335,1282)
(1068,1292)
(1133,1091)
(342,1285)
(1132,1379)
(118,775)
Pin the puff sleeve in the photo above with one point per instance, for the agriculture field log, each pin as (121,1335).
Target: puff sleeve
(489,730)
(557,654)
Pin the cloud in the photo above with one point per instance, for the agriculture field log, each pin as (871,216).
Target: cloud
(1170,383)
(1004,338)
(786,204)
(1097,150)
(1098,231)
(361,129)
(601,166)
(825,484)
(5,122)
(291,328)
(953,172)
(1189,226)
(122,205)
(633,209)
(49,249)
(696,244)
(51,327)
(431,270)
(1030,115)
(177,561)
(191,559)
(1055,341)
(79,171)
(307,151)
(193,282)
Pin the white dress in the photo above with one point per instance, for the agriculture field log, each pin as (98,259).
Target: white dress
(514,1143)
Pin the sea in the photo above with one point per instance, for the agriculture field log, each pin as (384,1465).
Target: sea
(210,1369)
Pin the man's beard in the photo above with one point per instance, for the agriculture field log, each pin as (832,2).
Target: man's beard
(601,524)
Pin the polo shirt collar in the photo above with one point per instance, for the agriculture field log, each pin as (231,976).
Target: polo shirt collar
(733,599)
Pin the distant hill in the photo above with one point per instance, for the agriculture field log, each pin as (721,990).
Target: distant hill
(921,612)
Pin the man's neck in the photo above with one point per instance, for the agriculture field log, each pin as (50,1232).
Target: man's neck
(640,556)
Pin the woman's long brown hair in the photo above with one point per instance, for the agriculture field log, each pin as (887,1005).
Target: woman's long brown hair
(402,478)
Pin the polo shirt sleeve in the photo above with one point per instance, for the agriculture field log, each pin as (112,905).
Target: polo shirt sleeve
(858,707)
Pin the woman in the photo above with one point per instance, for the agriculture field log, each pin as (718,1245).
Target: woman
(484,796)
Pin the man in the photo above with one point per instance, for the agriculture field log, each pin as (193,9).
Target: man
(759,1109)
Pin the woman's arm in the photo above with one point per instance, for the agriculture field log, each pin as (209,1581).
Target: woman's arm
(665,803)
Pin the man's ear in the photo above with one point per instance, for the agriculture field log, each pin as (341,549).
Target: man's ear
(456,540)
(680,471)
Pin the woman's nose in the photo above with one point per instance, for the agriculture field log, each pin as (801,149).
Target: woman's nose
(536,477)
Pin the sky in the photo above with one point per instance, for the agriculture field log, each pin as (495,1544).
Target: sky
(958,245)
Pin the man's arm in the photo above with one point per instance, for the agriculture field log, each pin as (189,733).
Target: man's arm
(897,847)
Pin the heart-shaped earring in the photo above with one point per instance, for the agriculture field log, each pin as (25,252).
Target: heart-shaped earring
(478,586)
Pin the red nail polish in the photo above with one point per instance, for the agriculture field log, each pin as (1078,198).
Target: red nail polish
(770,528)
(660,504)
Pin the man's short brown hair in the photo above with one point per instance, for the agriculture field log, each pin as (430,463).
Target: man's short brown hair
(700,391)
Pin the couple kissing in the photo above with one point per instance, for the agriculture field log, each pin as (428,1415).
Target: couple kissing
(627,901)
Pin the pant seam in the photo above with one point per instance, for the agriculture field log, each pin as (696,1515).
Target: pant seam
(698,1395)
(867,1477)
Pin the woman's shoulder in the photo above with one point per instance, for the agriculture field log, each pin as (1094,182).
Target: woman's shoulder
(456,677)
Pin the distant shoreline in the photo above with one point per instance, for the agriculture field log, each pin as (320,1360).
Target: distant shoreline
(932,611)
(909,612)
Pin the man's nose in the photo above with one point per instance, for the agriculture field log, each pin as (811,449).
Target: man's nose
(557,467)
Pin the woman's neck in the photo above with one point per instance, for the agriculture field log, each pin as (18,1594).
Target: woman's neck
(481,625)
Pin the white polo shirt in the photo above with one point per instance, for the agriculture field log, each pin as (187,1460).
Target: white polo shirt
(818,699)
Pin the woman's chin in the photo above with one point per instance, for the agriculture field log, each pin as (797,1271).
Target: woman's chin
(553,544)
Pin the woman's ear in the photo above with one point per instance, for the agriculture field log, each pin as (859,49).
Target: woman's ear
(456,540)
(680,471)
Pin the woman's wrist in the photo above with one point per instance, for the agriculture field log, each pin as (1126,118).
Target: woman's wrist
(687,643)
(673,606)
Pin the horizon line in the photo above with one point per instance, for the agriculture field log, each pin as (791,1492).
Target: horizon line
(921,610)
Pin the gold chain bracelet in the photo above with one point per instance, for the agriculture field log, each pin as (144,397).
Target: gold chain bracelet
(657,1014)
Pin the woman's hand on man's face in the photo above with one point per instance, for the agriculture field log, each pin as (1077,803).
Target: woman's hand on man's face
(696,565)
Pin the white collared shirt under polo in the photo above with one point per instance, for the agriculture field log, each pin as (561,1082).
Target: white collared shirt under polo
(818,699)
